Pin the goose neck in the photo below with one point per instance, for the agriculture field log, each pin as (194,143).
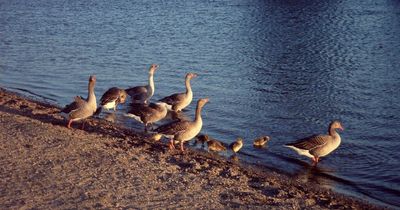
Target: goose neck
(151,84)
(91,96)
(198,113)
(188,86)
(332,131)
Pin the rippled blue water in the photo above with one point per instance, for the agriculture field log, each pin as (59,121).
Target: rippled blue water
(278,68)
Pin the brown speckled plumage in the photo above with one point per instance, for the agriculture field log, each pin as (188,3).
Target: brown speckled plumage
(261,141)
(80,108)
(148,113)
(114,96)
(317,146)
(179,101)
(184,130)
(215,145)
(236,145)
(142,94)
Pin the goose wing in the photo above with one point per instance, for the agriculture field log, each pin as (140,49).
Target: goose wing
(174,98)
(173,127)
(233,144)
(78,102)
(110,95)
(220,144)
(138,90)
(216,145)
(140,110)
(154,106)
(310,142)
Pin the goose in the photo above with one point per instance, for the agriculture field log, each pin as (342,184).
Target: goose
(215,145)
(183,130)
(236,145)
(142,94)
(201,138)
(111,98)
(179,101)
(317,146)
(82,108)
(259,142)
(148,113)
(153,136)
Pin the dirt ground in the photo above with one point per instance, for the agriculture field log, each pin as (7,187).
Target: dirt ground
(44,165)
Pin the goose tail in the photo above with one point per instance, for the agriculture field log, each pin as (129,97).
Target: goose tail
(135,117)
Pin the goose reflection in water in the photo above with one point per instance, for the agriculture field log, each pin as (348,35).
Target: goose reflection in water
(317,174)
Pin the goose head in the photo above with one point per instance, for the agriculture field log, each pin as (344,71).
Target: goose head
(122,96)
(202,102)
(203,138)
(336,124)
(191,75)
(153,68)
(92,80)
(265,138)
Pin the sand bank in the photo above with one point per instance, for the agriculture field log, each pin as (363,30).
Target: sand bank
(45,165)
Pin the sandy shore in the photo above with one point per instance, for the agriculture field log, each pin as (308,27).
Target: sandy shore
(45,165)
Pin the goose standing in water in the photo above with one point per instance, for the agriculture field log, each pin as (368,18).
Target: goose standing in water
(236,145)
(179,101)
(111,98)
(317,146)
(80,108)
(142,94)
(183,130)
(259,142)
(148,113)
(214,145)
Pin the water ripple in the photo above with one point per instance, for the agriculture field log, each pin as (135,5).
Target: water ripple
(275,68)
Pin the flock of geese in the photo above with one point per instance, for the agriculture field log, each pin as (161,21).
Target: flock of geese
(180,131)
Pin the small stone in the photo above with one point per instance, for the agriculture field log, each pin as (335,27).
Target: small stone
(310,202)
(197,166)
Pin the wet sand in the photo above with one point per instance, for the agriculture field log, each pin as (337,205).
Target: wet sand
(45,165)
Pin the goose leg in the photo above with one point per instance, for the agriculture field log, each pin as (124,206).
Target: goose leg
(69,123)
(181,142)
(171,144)
(315,160)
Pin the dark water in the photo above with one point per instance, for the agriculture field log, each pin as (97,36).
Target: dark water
(281,68)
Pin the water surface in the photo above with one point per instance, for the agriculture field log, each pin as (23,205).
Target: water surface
(278,68)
